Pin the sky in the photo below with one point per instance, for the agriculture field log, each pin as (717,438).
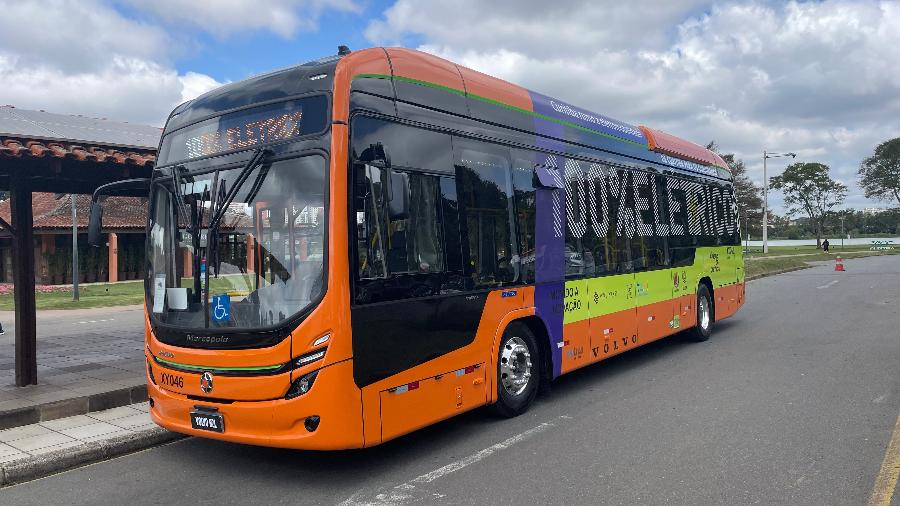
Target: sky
(819,78)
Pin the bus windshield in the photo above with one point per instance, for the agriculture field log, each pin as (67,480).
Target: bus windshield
(248,248)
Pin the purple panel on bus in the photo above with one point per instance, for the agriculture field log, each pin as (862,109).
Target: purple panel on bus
(566,112)
(550,247)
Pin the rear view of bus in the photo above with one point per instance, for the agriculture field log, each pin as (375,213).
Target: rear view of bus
(338,254)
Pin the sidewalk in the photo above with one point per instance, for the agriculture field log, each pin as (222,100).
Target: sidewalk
(88,360)
(32,451)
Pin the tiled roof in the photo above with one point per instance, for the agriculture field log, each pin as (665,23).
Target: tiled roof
(77,129)
(18,147)
(119,213)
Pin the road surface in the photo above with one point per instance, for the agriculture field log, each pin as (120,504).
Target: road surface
(792,401)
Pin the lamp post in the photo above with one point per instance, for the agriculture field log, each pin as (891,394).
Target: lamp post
(765,221)
(842,232)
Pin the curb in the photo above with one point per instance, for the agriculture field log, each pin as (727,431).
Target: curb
(775,273)
(71,407)
(32,468)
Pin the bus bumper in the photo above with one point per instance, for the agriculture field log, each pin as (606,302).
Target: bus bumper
(278,423)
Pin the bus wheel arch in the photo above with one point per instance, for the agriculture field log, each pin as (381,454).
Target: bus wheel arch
(542,335)
(518,370)
(705,310)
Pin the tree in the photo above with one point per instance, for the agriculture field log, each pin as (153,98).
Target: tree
(747,193)
(808,188)
(879,174)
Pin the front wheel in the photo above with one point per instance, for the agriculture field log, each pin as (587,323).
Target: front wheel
(703,329)
(518,371)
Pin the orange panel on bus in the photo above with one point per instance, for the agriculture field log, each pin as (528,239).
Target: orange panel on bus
(492,88)
(420,403)
(366,61)
(613,333)
(576,345)
(425,67)
(654,321)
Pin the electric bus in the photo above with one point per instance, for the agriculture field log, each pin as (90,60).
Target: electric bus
(342,252)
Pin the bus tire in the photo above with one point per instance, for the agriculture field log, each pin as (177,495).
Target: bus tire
(518,371)
(703,328)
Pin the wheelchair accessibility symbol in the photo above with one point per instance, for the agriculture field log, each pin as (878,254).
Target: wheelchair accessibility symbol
(221,307)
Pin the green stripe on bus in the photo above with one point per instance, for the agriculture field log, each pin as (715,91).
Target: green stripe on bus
(499,104)
(214,369)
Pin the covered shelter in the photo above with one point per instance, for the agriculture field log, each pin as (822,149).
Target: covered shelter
(63,154)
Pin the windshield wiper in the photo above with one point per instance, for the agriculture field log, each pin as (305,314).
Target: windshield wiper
(222,203)
(258,157)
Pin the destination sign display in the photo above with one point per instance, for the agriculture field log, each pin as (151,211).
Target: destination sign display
(247,128)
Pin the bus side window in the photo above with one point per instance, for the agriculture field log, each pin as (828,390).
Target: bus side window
(649,245)
(579,258)
(681,244)
(454,277)
(526,211)
(370,221)
(485,193)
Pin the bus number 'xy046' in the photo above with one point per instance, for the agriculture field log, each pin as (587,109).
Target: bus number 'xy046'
(172,380)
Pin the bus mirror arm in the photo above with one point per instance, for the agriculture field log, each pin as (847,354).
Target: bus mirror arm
(126,188)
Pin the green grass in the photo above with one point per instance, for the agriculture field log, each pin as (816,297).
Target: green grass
(756,251)
(119,294)
(93,295)
(799,256)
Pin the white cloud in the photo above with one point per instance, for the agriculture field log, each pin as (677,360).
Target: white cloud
(225,17)
(85,58)
(813,77)
(194,85)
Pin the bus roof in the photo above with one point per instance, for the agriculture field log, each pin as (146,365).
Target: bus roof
(412,66)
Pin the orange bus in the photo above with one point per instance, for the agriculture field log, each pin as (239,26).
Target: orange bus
(345,251)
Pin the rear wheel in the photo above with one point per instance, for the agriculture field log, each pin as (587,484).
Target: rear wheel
(518,371)
(702,330)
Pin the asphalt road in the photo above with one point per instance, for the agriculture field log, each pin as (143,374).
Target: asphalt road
(792,401)
(62,322)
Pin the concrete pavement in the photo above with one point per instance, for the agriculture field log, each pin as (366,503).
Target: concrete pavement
(37,450)
(792,401)
(88,360)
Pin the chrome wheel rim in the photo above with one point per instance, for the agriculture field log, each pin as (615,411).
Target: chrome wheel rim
(704,313)
(515,366)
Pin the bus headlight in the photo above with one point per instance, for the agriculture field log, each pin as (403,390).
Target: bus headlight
(302,385)
(310,357)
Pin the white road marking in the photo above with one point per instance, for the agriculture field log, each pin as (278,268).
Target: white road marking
(826,285)
(93,321)
(402,493)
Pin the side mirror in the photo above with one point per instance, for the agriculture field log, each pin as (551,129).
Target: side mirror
(95,225)
(398,198)
(126,188)
(548,177)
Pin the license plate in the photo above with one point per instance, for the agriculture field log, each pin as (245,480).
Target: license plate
(212,422)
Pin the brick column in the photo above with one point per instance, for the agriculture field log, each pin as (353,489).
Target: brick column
(113,245)
(48,247)
(187,263)
(251,253)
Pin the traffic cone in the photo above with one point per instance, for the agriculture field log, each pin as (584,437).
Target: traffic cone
(838,264)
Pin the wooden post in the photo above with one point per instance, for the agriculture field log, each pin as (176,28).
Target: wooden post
(251,253)
(23,279)
(113,239)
